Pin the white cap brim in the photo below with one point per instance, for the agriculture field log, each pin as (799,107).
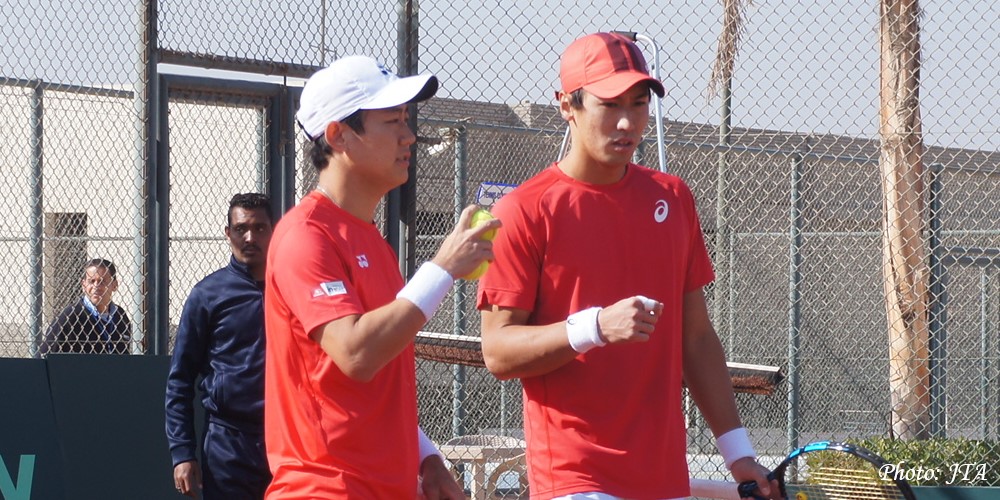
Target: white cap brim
(354,83)
(405,90)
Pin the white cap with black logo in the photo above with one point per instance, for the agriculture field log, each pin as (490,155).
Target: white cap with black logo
(353,83)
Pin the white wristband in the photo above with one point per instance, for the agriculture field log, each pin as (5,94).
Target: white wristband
(735,445)
(426,446)
(582,330)
(427,288)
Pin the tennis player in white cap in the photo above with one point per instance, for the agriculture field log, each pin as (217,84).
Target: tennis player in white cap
(340,388)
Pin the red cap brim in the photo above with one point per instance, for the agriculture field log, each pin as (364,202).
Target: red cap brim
(618,83)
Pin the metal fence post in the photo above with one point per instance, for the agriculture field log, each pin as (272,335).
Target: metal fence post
(145,107)
(159,194)
(35,243)
(401,205)
(987,406)
(460,135)
(935,325)
(794,298)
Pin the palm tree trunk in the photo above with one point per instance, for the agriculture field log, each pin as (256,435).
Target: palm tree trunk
(904,259)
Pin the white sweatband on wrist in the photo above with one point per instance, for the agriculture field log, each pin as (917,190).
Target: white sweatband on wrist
(735,445)
(426,446)
(582,330)
(427,288)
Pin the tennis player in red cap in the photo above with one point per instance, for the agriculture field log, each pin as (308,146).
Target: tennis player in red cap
(595,301)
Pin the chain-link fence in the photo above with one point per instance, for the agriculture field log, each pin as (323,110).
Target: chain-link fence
(108,154)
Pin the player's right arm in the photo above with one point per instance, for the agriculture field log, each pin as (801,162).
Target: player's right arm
(362,344)
(514,349)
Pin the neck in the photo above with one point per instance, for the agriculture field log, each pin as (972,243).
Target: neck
(591,171)
(352,198)
(102,307)
(256,272)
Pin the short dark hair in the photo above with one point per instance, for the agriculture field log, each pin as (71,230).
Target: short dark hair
(576,97)
(105,263)
(249,201)
(319,151)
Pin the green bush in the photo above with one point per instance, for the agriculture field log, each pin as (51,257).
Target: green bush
(932,462)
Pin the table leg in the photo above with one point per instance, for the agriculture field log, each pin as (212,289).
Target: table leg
(478,489)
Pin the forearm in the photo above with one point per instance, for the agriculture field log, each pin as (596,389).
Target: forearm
(516,351)
(708,382)
(179,411)
(181,438)
(513,349)
(363,345)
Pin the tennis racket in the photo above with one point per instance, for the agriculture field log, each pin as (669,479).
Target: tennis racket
(830,470)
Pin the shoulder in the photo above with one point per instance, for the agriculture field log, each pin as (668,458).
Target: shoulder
(647,174)
(538,184)
(308,220)
(74,308)
(214,279)
(659,183)
(528,197)
(120,311)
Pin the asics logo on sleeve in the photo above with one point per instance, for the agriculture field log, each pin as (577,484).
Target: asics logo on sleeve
(362,260)
(660,214)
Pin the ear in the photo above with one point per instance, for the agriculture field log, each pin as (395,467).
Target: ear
(565,109)
(334,135)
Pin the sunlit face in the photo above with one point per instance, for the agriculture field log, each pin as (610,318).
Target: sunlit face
(608,131)
(98,285)
(249,235)
(382,152)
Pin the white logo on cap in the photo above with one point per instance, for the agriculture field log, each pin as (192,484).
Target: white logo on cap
(662,209)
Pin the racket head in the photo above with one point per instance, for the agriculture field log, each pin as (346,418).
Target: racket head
(833,470)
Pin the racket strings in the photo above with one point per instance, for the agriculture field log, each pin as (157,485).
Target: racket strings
(848,484)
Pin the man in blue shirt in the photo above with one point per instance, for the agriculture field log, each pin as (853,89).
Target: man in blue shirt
(220,340)
(94,324)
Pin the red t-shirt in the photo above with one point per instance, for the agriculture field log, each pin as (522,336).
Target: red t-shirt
(611,420)
(328,436)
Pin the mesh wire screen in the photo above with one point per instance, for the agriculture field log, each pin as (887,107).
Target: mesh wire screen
(791,190)
(204,176)
(75,199)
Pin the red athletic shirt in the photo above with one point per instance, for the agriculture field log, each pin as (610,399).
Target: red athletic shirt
(328,436)
(610,420)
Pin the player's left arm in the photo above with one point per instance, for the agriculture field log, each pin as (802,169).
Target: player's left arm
(705,370)
(707,379)
(436,480)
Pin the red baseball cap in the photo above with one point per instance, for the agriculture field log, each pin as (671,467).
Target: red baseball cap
(606,65)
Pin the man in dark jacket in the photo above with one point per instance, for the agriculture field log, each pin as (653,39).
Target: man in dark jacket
(220,340)
(93,324)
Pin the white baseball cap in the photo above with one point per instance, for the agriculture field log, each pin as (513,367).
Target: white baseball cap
(353,83)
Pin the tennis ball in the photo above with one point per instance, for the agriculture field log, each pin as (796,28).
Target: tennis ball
(480,217)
